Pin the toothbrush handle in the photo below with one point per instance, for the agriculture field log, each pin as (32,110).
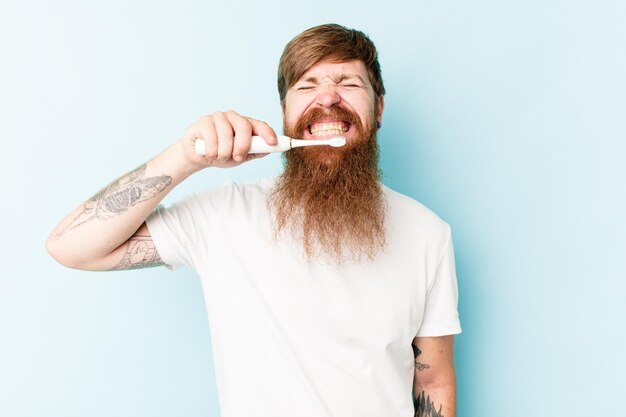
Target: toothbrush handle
(258,145)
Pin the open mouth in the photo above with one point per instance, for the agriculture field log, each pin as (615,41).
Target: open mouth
(326,129)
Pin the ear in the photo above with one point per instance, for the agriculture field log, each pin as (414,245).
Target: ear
(283,110)
(381,107)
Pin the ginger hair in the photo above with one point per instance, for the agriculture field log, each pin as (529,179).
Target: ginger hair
(327,42)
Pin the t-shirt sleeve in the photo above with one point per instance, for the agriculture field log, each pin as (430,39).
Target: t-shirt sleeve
(441,315)
(174,233)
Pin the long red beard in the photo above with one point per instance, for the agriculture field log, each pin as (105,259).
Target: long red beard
(330,199)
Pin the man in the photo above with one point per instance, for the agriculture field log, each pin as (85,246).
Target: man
(328,293)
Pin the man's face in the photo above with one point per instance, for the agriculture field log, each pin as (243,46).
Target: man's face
(330,97)
(327,198)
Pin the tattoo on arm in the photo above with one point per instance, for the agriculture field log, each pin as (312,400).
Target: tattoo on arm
(119,196)
(424,407)
(418,365)
(140,253)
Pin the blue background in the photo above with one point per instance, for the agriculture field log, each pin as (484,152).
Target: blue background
(505,118)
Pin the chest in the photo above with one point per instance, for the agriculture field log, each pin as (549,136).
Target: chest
(378,306)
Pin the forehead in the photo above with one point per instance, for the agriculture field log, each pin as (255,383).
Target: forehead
(335,70)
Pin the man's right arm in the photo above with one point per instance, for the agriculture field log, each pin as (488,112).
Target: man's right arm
(108,231)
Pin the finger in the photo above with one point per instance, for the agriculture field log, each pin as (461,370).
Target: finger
(243,136)
(224,137)
(205,130)
(252,156)
(262,129)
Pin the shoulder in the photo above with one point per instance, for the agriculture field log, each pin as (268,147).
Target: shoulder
(226,207)
(234,199)
(407,213)
(232,191)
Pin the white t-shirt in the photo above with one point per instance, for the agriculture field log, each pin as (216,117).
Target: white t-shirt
(292,338)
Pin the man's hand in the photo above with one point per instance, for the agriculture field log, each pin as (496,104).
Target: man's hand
(227,137)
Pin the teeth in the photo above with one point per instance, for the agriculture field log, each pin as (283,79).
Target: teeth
(328,129)
(328,132)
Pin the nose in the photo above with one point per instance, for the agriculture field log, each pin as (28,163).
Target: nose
(328,96)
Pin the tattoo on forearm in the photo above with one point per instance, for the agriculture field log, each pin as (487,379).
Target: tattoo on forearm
(119,196)
(421,366)
(424,407)
(418,365)
(140,253)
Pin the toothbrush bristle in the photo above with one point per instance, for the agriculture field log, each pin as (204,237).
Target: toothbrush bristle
(337,141)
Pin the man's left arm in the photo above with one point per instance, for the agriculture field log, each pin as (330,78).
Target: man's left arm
(434,385)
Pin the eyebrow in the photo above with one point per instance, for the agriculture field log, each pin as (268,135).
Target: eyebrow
(337,79)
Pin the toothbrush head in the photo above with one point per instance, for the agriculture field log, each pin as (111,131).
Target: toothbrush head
(337,141)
